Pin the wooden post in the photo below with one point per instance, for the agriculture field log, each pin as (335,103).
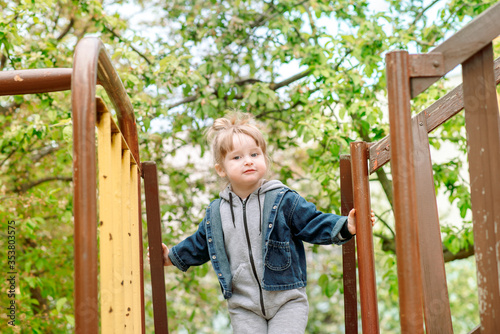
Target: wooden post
(405,210)
(483,132)
(435,290)
(364,238)
(348,250)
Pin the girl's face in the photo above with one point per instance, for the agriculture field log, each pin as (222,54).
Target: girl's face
(244,166)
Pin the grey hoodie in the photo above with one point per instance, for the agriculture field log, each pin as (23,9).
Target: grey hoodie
(242,227)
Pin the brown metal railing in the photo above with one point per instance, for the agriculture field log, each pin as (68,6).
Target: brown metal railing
(92,66)
(91,63)
(421,274)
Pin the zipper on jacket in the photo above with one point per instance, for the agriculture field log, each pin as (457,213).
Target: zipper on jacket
(250,253)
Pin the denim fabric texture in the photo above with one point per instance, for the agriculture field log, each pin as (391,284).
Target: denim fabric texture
(288,221)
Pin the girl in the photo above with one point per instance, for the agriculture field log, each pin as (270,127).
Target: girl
(253,235)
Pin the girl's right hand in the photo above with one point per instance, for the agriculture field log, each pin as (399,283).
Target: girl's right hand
(166,259)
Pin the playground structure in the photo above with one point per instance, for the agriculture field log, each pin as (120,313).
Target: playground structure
(422,284)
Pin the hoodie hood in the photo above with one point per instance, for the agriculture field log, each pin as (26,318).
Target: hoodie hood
(229,196)
(265,187)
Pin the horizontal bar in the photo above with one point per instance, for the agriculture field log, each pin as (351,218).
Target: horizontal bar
(34,81)
(436,114)
(463,45)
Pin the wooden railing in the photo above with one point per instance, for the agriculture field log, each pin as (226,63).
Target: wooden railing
(422,284)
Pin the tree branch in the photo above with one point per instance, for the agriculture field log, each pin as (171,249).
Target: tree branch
(114,33)
(386,184)
(389,245)
(44,151)
(67,29)
(183,101)
(286,82)
(272,86)
(421,13)
(26,186)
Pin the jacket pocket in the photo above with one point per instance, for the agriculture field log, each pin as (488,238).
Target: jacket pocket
(278,255)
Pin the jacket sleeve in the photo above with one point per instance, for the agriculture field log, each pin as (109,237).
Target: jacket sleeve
(192,251)
(313,226)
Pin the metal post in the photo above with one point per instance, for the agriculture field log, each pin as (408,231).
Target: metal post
(364,238)
(405,209)
(348,250)
(155,248)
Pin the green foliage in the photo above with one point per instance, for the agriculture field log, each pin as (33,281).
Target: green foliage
(312,72)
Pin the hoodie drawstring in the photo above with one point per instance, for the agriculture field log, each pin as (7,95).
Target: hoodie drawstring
(260,210)
(231,205)
(260,213)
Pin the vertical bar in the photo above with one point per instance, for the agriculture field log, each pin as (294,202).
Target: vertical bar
(348,250)
(155,246)
(364,238)
(138,292)
(405,210)
(127,242)
(85,201)
(483,132)
(106,219)
(118,279)
(435,290)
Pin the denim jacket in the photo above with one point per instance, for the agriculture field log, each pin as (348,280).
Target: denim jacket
(288,220)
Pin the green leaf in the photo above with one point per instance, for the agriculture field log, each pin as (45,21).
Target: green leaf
(60,303)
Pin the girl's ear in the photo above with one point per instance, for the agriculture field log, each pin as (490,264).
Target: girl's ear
(220,170)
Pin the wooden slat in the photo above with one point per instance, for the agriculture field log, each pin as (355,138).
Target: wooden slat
(405,210)
(438,113)
(137,291)
(117,254)
(462,45)
(364,238)
(127,242)
(483,132)
(155,246)
(105,219)
(435,290)
(348,250)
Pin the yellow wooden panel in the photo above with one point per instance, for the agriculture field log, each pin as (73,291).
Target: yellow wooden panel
(117,253)
(105,221)
(136,249)
(127,244)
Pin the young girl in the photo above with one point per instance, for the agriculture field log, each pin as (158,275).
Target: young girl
(253,235)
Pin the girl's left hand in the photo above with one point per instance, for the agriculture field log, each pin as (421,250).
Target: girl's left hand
(351,221)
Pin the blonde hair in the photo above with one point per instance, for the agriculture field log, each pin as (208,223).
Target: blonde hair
(221,134)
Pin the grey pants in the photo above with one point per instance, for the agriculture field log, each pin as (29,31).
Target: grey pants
(290,318)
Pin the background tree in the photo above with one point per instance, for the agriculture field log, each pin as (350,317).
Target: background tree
(312,72)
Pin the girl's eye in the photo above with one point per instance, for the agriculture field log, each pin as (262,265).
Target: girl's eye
(236,157)
(254,155)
